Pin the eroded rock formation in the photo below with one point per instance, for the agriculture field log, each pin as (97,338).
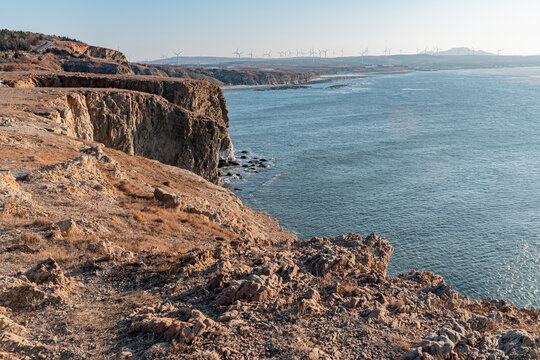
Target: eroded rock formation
(177,122)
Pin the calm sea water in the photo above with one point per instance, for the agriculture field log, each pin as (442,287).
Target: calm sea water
(445,165)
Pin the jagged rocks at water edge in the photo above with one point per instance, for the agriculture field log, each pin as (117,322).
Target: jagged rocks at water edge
(117,242)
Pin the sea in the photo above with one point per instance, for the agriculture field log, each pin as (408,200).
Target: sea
(443,164)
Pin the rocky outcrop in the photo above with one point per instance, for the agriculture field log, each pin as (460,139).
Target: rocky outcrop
(96,66)
(145,125)
(196,96)
(257,77)
(178,122)
(227,76)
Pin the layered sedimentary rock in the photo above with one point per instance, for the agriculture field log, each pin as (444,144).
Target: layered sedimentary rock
(228,76)
(145,125)
(257,77)
(197,96)
(178,122)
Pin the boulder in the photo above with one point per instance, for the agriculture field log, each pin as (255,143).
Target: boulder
(168,200)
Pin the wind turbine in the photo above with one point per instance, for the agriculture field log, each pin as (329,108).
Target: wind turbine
(324,51)
(312,52)
(341,52)
(436,50)
(237,53)
(282,53)
(499,52)
(178,56)
(267,54)
(251,54)
(364,53)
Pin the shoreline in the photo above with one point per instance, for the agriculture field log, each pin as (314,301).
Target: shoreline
(474,292)
(339,76)
(321,79)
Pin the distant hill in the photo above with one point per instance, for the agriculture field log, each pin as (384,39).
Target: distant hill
(462,51)
(25,51)
(25,40)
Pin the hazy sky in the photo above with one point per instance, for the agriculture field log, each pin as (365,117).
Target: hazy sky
(150,29)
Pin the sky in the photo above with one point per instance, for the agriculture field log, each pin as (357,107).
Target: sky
(145,30)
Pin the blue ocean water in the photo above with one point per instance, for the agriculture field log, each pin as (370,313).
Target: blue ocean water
(445,165)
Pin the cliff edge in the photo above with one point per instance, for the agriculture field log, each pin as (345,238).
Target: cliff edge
(178,122)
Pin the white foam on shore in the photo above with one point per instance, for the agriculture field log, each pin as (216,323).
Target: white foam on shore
(412,89)
(273,179)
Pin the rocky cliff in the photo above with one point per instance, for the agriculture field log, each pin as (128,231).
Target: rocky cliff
(178,122)
(145,125)
(228,76)
(258,77)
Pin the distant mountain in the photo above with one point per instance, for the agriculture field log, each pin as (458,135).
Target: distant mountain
(460,51)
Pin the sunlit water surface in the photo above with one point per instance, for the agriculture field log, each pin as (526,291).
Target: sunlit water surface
(445,165)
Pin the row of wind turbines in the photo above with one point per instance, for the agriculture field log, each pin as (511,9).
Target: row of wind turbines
(322,53)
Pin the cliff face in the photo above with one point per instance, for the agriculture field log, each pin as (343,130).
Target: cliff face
(198,96)
(145,125)
(178,122)
(258,77)
(225,76)
(96,67)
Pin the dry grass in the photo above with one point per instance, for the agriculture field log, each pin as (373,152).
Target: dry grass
(31,239)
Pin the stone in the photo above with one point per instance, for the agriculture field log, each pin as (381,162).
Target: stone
(253,289)
(312,293)
(353,302)
(314,354)
(93,149)
(167,199)
(68,227)
(229,315)
(105,247)
(350,252)
(47,272)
